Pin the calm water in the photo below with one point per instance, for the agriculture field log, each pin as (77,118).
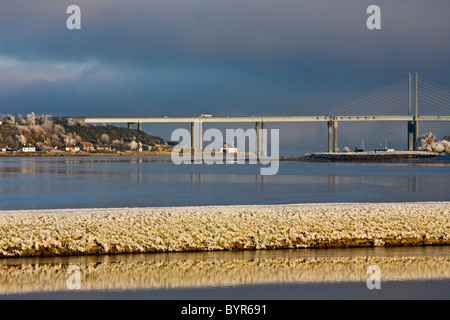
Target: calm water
(86,182)
(406,273)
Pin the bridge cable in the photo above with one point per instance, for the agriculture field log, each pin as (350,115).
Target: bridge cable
(389,102)
(434,97)
(368,98)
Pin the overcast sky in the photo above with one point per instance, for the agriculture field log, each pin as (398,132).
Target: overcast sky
(234,57)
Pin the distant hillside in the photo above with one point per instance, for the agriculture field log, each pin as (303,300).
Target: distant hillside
(96,133)
(9,135)
(49,132)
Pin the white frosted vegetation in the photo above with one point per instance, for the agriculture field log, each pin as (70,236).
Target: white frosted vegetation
(175,229)
(428,143)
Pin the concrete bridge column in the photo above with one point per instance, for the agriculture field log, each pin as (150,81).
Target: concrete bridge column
(139,126)
(416,133)
(263,137)
(257,139)
(410,136)
(200,133)
(192,137)
(330,125)
(335,126)
(416,112)
(80,121)
(130,124)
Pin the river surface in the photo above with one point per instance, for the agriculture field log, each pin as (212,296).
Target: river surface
(92,182)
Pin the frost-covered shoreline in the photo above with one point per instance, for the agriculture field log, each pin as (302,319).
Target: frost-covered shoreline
(70,232)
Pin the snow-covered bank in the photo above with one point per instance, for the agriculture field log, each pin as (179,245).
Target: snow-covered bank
(174,229)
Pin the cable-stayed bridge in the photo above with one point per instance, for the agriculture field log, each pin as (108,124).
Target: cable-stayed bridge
(398,101)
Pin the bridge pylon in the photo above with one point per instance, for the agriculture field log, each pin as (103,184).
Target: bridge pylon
(413,126)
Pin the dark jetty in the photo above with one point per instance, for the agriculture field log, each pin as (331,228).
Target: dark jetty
(376,156)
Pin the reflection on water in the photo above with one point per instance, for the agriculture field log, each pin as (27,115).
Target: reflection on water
(413,183)
(89,182)
(221,269)
(74,182)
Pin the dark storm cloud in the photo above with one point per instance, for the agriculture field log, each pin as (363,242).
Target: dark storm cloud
(270,33)
(182,57)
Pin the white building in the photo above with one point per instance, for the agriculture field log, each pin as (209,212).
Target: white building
(228,149)
(71,148)
(28,149)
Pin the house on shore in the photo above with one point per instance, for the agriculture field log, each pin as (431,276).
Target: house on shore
(228,149)
(86,146)
(71,148)
(102,147)
(3,148)
(27,148)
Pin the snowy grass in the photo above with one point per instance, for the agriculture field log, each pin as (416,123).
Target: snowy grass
(71,232)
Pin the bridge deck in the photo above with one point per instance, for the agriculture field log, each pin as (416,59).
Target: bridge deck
(167,119)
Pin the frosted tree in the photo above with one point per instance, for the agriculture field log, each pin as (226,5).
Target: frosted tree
(20,120)
(426,140)
(133,145)
(10,119)
(428,143)
(71,139)
(104,138)
(71,122)
(31,119)
(21,139)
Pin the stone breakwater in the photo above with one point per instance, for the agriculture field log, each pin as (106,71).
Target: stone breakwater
(72,232)
(376,156)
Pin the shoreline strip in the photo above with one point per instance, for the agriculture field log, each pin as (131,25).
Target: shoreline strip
(76,232)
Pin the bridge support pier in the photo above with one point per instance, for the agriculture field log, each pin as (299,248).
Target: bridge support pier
(80,121)
(130,124)
(411,136)
(330,126)
(139,126)
(192,138)
(332,136)
(257,140)
(200,133)
(416,133)
(263,138)
(416,112)
(335,126)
